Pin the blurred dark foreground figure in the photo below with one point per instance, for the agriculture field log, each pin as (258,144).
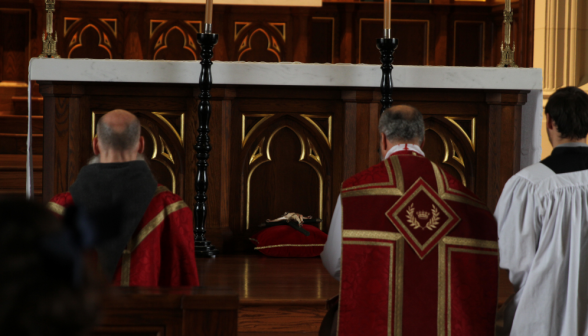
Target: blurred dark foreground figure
(45,286)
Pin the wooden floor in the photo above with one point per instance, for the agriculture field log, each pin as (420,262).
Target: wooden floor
(281,296)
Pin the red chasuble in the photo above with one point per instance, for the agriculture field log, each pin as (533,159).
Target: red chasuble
(420,253)
(161,251)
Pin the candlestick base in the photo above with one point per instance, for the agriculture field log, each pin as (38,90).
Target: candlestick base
(387,47)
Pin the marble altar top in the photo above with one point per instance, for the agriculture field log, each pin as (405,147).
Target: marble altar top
(296,74)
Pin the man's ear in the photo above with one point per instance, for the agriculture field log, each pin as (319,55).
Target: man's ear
(550,122)
(383,143)
(141,148)
(95,146)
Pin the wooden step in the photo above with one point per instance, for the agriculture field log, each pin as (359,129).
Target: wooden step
(17,124)
(21,106)
(13,176)
(17,143)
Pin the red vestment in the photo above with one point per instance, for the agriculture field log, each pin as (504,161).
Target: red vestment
(161,251)
(420,253)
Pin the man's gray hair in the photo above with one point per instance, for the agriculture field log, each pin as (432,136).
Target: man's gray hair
(120,141)
(402,123)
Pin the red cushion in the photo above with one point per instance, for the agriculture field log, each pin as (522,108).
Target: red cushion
(284,241)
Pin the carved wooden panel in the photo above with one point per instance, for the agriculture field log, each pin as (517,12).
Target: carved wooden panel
(174,39)
(469,43)
(449,142)
(322,40)
(259,41)
(90,38)
(286,162)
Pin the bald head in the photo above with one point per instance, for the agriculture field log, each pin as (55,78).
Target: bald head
(402,123)
(119,130)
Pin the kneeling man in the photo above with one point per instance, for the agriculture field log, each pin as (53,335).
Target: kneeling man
(415,251)
(155,244)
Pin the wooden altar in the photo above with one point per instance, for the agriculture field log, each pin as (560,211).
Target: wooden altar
(285,147)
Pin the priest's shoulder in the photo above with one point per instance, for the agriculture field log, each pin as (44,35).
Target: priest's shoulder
(164,196)
(374,174)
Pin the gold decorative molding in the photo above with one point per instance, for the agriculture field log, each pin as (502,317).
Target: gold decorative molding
(313,153)
(161,43)
(272,45)
(165,151)
(239,26)
(161,116)
(449,156)
(280,27)
(112,24)
(154,25)
(171,172)
(472,140)
(362,20)
(256,155)
(154,155)
(258,152)
(245,137)
(77,42)
(68,23)
(328,136)
(197,25)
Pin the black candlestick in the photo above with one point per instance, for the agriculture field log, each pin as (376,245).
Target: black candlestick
(387,46)
(203,247)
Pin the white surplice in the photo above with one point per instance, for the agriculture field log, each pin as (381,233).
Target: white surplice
(543,238)
(331,255)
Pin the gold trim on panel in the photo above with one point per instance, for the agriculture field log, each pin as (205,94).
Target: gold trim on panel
(245,137)
(65,20)
(258,152)
(270,39)
(154,141)
(58,209)
(330,120)
(269,142)
(180,136)
(398,309)
(312,152)
(113,30)
(192,23)
(165,152)
(153,30)
(445,144)
(275,25)
(397,20)
(80,43)
(238,32)
(171,172)
(472,140)
(333,35)
(483,35)
(440,180)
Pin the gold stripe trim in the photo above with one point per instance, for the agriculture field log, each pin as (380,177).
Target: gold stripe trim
(372,192)
(125,275)
(379,184)
(442,287)
(398,173)
(155,222)
(470,242)
(288,245)
(389,171)
(160,189)
(56,208)
(399,288)
(439,179)
(371,234)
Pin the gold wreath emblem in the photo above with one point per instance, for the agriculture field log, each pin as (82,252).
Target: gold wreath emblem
(415,224)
